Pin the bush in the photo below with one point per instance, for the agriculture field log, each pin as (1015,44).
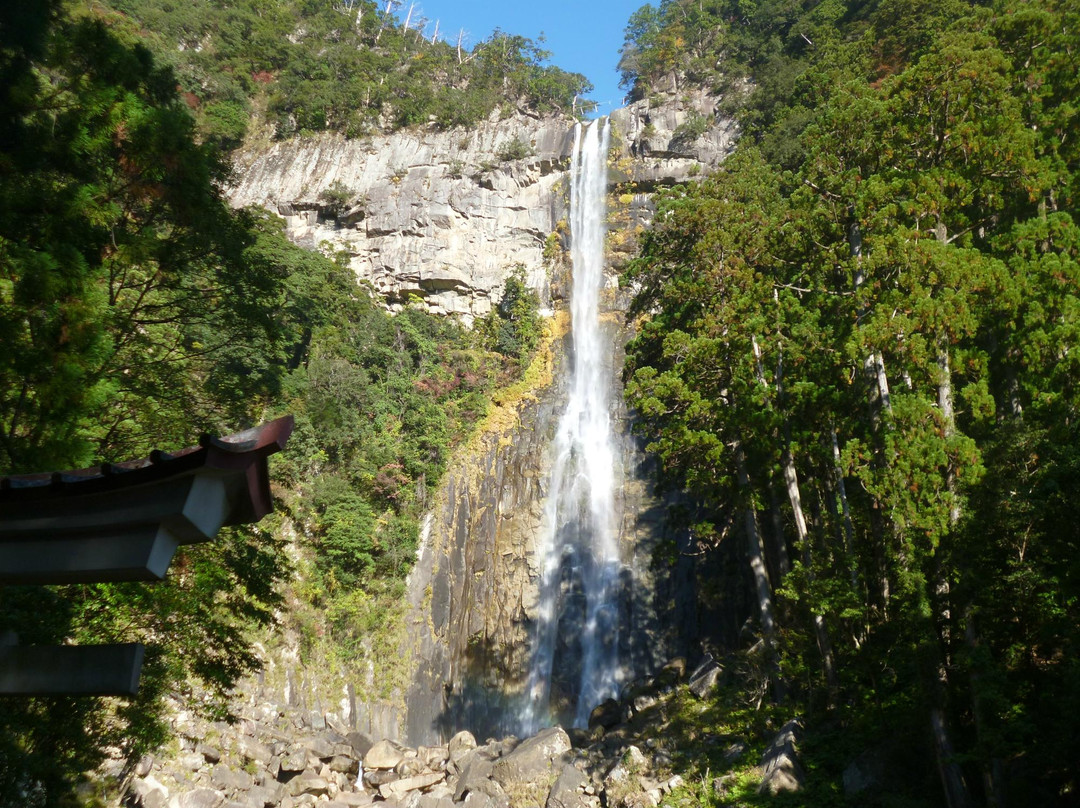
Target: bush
(516,149)
(514,327)
(690,130)
(337,198)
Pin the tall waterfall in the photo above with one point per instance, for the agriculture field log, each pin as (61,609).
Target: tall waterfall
(579,548)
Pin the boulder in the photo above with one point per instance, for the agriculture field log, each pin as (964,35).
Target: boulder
(624,773)
(672,783)
(643,702)
(477,800)
(432,801)
(253,750)
(270,794)
(191,762)
(780,763)
(386,754)
(498,749)
(145,787)
(671,675)
(475,776)
(606,714)
(398,788)
(705,677)
(355,799)
(567,791)
(359,742)
(459,745)
(201,798)
(211,754)
(294,762)
(344,765)
(230,779)
(434,757)
(532,758)
(375,778)
(635,799)
(308,784)
(410,767)
(320,748)
(145,764)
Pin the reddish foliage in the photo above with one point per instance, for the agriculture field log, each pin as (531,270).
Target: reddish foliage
(389,480)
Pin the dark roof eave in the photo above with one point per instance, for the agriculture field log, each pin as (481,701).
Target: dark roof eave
(228,453)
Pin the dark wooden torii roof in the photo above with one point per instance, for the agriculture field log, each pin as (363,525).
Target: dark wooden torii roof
(124,521)
(121,522)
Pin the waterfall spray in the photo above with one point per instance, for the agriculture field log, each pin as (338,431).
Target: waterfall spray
(579,547)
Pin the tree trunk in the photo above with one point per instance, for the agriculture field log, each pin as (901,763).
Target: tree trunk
(841,489)
(756,555)
(781,561)
(992,774)
(821,631)
(755,550)
(952,779)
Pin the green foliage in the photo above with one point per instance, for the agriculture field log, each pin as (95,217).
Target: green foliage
(915,225)
(514,327)
(694,127)
(338,198)
(135,313)
(380,400)
(346,68)
(516,149)
(124,287)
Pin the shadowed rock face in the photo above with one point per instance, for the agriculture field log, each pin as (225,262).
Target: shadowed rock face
(475,588)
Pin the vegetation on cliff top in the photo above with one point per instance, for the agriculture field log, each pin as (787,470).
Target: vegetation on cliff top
(857,350)
(354,67)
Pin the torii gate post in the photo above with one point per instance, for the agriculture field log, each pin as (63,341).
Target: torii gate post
(121,522)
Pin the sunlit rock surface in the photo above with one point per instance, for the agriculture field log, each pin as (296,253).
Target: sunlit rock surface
(444,216)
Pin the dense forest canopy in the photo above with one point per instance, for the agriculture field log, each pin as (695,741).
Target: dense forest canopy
(857,348)
(354,67)
(138,310)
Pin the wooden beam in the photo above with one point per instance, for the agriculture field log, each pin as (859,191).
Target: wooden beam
(141,554)
(70,670)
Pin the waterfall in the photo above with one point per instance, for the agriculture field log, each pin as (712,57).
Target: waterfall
(579,548)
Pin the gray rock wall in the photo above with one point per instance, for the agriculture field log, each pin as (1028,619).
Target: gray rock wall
(474,591)
(437,215)
(433,214)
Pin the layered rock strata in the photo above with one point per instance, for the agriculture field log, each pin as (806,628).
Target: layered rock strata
(444,216)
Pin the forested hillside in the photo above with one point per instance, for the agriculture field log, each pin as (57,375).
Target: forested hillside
(857,347)
(137,310)
(355,67)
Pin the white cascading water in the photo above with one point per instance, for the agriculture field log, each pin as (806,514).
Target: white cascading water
(580,548)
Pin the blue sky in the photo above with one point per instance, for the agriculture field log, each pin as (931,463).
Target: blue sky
(584,36)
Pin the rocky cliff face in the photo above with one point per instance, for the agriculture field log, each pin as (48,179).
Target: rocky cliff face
(441,216)
(445,215)
(475,588)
